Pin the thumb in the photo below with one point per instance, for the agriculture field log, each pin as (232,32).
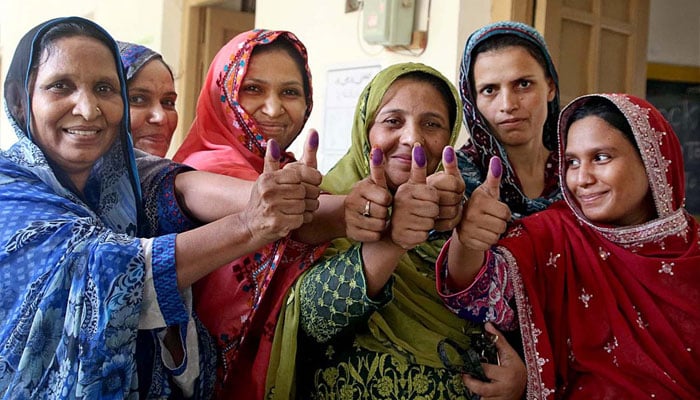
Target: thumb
(493,178)
(272,156)
(449,161)
(310,149)
(376,167)
(418,173)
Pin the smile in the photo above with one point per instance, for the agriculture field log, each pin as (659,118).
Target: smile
(80,132)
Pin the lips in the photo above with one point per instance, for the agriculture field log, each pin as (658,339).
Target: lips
(82,131)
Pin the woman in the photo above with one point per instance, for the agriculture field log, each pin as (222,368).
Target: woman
(358,338)
(606,282)
(245,102)
(91,256)
(152,97)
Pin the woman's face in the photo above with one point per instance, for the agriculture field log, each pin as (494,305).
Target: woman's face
(272,92)
(605,174)
(152,104)
(512,92)
(410,112)
(76,104)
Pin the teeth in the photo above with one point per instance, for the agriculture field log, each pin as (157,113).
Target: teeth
(81,133)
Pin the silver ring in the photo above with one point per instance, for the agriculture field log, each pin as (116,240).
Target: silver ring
(366,212)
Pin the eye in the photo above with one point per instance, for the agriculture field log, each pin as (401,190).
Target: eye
(434,124)
(524,84)
(104,88)
(137,100)
(251,89)
(572,163)
(391,121)
(487,90)
(57,87)
(168,103)
(602,157)
(291,93)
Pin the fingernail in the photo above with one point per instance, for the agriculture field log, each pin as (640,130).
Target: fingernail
(449,154)
(313,140)
(419,155)
(495,166)
(377,156)
(274,149)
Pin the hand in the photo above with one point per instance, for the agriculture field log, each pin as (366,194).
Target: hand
(278,199)
(485,217)
(372,195)
(415,205)
(507,379)
(450,187)
(308,175)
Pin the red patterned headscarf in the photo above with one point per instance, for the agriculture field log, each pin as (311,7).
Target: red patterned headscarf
(612,312)
(224,138)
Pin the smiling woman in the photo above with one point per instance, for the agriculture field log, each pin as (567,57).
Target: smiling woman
(603,285)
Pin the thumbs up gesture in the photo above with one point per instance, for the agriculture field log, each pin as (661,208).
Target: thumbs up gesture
(485,217)
(415,205)
(367,204)
(450,188)
(281,200)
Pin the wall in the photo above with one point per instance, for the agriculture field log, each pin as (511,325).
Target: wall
(674,32)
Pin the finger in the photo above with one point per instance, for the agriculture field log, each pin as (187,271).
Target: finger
(449,161)
(376,167)
(493,178)
(310,149)
(272,156)
(505,350)
(418,166)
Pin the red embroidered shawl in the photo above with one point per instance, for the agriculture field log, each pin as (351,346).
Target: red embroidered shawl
(239,302)
(612,312)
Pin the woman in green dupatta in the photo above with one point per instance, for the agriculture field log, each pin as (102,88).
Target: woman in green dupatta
(370,317)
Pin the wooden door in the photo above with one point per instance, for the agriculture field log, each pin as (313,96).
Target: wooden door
(597,45)
(208,26)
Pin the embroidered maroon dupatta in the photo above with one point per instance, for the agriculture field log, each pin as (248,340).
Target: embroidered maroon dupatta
(611,312)
(239,303)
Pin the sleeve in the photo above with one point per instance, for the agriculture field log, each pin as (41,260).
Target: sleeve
(162,211)
(488,298)
(334,295)
(164,306)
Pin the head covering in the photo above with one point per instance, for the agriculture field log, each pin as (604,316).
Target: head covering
(475,156)
(135,56)
(354,166)
(116,169)
(224,138)
(611,312)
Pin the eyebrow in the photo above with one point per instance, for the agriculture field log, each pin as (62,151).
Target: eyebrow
(285,83)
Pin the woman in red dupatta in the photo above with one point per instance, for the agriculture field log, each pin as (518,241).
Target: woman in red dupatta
(239,303)
(606,310)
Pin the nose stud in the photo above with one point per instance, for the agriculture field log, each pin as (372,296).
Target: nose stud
(98,110)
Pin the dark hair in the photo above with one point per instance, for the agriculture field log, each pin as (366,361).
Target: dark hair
(607,111)
(284,44)
(498,42)
(441,86)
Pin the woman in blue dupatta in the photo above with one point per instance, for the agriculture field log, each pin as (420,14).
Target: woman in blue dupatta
(94,272)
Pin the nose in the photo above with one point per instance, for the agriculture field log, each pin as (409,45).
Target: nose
(273,106)
(86,105)
(509,101)
(411,134)
(157,115)
(584,174)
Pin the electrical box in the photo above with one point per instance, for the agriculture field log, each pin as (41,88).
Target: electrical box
(388,22)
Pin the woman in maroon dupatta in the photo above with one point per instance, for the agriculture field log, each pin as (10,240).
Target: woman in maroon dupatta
(607,281)
(244,103)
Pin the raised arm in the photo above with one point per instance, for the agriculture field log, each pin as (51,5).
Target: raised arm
(484,219)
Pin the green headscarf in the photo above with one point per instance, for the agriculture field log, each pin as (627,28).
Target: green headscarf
(415,321)
(354,166)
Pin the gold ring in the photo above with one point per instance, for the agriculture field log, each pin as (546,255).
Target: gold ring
(366,212)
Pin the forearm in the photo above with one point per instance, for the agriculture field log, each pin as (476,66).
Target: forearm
(208,197)
(380,260)
(463,264)
(328,222)
(204,249)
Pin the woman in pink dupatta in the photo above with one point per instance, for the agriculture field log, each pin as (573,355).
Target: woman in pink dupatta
(607,308)
(239,303)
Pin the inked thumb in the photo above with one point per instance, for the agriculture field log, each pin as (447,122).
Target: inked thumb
(376,167)
(310,149)
(493,179)
(272,156)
